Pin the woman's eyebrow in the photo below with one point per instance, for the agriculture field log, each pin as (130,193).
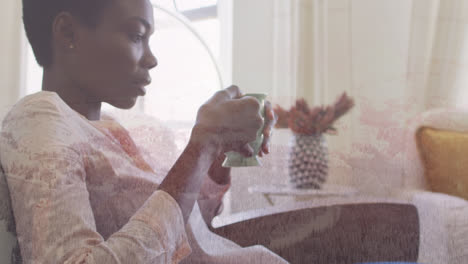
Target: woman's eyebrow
(145,22)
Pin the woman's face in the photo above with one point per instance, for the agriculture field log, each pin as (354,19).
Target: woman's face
(112,61)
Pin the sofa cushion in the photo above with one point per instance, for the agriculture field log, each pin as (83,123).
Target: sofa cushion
(445,159)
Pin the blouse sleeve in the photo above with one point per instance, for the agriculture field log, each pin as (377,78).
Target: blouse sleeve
(41,156)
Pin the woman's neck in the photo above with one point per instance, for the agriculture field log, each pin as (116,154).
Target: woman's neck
(55,81)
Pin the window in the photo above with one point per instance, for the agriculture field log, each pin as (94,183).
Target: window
(186,75)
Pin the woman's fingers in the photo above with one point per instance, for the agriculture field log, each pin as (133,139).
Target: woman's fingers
(234,92)
(270,121)
(270,113)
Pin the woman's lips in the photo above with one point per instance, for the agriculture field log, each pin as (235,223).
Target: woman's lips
(141,83)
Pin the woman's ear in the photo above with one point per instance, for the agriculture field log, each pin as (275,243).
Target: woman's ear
(65,32)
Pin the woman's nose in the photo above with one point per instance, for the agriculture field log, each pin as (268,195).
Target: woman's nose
(150,60)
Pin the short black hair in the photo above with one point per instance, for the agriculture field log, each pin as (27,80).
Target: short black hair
(38,16)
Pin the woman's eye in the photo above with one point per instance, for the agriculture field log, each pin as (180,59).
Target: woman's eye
(137,38)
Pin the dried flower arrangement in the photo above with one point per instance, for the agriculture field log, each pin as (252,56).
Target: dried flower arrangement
(302,119)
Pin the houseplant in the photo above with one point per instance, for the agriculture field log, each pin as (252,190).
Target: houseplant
(308,157)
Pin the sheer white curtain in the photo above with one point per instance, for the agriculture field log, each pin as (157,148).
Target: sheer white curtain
(299,51)
(402,58)
(439,51)
(312,61)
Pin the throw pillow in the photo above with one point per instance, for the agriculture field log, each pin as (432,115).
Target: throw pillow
(445,157)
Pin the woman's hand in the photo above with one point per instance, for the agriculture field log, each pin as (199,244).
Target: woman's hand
(221,175)
(230,121)
(213,111)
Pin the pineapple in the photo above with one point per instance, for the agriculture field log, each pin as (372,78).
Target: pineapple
(308,161)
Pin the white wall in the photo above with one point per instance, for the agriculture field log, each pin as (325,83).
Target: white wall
(11,50)
(252,59)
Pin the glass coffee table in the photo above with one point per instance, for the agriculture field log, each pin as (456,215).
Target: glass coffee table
(269,190)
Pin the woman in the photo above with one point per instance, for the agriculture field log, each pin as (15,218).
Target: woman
(81,190)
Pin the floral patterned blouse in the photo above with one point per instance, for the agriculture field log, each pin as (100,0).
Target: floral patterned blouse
(86,192)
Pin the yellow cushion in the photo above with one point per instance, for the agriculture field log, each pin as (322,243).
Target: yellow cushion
(445,157)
